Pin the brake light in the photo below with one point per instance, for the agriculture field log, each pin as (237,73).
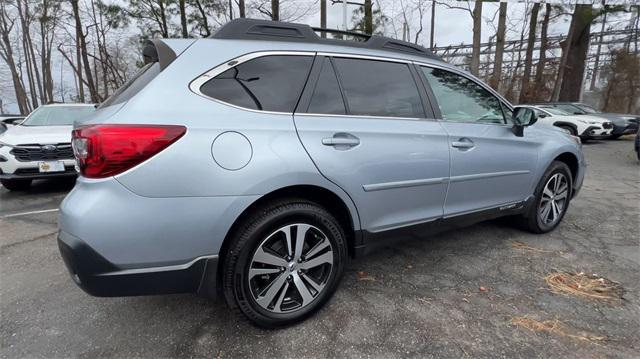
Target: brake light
(106,150)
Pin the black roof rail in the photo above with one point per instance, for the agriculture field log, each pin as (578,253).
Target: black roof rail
(254,29)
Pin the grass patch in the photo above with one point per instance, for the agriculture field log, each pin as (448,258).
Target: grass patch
(583,285)
(558,328)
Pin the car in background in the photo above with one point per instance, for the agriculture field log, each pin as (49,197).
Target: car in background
(637,144)
(623,124)
(40,146)
(585,127)
(7,121)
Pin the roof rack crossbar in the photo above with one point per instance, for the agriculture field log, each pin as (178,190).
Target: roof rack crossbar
(341,32)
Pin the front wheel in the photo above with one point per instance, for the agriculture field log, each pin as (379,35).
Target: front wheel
(551,201)
(284,263)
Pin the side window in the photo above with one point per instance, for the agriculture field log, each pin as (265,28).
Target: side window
(462,100)
(269,83)
(327,97)
(379,88)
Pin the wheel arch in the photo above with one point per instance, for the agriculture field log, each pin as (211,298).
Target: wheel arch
(564,123)
(324,197)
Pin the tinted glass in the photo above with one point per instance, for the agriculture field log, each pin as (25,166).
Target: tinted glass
(378,88)
(147,73)
(270,83)
(586,108)
(57,115)
(555,111)
(462,100)
(326,96)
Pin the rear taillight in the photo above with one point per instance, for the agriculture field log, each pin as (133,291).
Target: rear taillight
(106,150)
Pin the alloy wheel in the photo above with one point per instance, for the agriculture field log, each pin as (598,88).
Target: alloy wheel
(554,199)
(290,268)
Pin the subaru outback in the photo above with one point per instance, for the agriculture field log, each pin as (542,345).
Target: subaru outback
(252,165)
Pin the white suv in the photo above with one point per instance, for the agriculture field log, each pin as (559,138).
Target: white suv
(40,146)
(584,126)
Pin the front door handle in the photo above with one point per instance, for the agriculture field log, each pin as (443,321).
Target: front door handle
(463,143)
(341,141)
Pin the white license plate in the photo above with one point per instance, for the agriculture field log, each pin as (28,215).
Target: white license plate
(51,166)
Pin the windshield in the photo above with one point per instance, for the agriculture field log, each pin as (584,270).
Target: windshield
(555,111)
(570,109)
(57,115)
(587,108)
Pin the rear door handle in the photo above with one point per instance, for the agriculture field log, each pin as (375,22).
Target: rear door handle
(463,143)
(341,140)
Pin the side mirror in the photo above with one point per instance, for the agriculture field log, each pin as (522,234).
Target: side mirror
(522,117)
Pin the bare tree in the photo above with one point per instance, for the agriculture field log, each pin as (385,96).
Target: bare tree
(183,18)
(528,59)
(81,45)
(500,36)
(275,10)
(6,52)
(474,65)
(544,44)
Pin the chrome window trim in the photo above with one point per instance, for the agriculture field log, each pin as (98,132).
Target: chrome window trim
(459,72)
(197,83)
(364,57)
(365,117)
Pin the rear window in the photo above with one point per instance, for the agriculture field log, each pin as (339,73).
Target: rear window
(269,83)
(57,115)
(147,73)
(379,88)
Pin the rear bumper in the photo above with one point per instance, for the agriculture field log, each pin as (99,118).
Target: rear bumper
(99,277)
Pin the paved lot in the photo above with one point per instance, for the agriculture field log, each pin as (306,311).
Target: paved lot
(417,299)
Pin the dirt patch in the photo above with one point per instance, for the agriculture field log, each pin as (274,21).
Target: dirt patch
(559,328)
(528,248)
(583,285)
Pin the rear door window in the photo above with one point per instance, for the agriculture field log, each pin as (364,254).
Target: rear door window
(268,83)
(379,88)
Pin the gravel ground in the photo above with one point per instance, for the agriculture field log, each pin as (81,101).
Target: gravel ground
(413,299)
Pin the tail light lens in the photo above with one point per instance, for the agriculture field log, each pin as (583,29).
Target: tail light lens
(106,150)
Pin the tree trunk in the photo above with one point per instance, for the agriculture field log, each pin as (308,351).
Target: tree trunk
(205,22)
(544,44)
(596,64)
(183,19)
(577,48)
(368,17)
(241,7)
(82,44)
(474,66)
(6,53)
(432,31)
(163,18)
(323,17)
(502,27)
(528,59)
(275,10)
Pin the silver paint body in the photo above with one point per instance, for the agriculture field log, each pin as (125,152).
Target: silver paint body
(180,204)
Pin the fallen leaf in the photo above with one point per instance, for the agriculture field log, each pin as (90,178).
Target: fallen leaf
(362,276)
(484,289)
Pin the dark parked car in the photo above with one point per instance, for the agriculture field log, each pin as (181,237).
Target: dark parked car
(637,145)
(623,124)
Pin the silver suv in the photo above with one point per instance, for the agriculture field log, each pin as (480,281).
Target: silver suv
(255,163)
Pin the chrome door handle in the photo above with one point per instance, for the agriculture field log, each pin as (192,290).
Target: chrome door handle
(463,143)
(341,140)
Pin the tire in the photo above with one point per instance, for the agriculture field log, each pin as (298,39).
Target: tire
(571,130)
(262,236)
(615,137)
(16,184)
(537,219)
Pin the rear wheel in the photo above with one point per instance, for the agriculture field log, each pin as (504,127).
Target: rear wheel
(284,263)
(552,198)
(16,184)
(615,137)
